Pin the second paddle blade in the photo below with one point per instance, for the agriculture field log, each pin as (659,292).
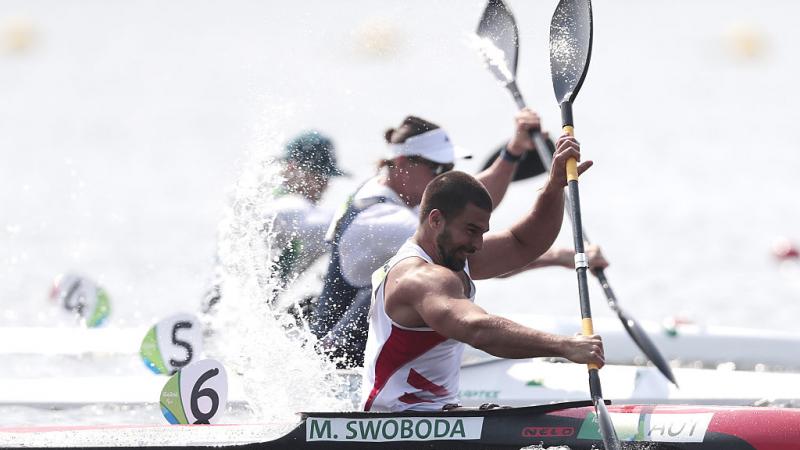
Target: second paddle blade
(570,47)
(499,33)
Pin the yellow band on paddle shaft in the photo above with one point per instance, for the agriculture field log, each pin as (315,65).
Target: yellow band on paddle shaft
(572,165)
(572,170)
(588,329)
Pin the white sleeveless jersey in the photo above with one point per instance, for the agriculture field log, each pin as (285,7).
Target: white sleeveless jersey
(407,368)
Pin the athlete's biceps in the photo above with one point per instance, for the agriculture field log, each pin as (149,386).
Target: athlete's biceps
(448,316)
(498,256)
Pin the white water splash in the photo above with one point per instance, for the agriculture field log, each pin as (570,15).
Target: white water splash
(281,374)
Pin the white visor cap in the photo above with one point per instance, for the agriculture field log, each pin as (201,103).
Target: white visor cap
(432,145)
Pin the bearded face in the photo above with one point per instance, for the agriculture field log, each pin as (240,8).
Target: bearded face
(454,256)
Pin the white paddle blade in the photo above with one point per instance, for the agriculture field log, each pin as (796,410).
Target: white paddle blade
(172,344)
(197,394)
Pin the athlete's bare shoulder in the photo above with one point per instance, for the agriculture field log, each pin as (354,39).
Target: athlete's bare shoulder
(415,279)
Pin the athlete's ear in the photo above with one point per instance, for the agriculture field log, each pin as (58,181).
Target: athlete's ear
(436,219)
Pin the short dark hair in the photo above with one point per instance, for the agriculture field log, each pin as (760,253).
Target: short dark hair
(313,151)
(410,127)
(451,192)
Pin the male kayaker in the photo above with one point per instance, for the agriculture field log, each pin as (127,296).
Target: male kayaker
(423,309)
(296,223)
(383,213)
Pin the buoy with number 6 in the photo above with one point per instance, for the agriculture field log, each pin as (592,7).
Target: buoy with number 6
(197,394)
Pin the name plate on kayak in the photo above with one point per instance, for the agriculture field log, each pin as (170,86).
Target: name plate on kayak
(393,429)
(665,427)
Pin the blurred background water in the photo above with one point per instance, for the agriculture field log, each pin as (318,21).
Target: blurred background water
(124,127)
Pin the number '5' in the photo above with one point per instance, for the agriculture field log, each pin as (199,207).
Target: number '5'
(189,352)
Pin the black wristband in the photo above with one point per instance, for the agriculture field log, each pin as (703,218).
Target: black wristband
(506,155)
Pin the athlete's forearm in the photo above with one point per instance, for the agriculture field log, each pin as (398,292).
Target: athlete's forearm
(505,338)
(496,179)
(561,257)
(555,256)
(537,231)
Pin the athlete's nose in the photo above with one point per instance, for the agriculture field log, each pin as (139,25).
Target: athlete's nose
(477,244)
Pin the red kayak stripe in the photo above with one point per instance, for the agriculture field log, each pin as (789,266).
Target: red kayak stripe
(750,424)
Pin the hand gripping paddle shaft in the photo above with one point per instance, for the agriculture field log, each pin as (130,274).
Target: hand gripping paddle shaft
(570,51)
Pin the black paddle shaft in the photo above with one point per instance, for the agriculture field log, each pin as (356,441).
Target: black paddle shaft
(570,50)
(536,134)
(581,261)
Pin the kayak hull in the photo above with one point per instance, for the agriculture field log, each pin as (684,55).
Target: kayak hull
(572,424)
(563,424)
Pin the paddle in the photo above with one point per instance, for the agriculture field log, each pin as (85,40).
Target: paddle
(499,43)
(570,51)
(633,328)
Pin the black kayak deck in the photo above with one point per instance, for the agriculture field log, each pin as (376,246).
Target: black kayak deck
(570,424)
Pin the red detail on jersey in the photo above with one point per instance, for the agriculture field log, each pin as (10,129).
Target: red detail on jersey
(411,399)
(401,347)
(424,384)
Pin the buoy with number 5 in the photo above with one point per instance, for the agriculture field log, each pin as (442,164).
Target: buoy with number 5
(172,343)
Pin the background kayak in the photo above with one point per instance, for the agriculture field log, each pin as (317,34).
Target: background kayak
(505,382)
(685,343)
